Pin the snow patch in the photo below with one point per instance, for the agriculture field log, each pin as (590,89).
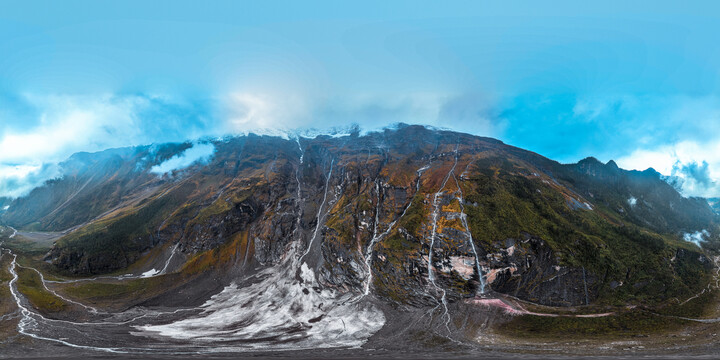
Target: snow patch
(278,312)
(150,273)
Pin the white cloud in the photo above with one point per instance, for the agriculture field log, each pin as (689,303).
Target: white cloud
(72,124)
(197,153)
(697,237)
(19,180)
(632,201)
(277,113)
(59,126)
(674,134)
(66,125)
(251,111)
(694,166)
(245,112)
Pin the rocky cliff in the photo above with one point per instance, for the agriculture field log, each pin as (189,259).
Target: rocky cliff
(411,214)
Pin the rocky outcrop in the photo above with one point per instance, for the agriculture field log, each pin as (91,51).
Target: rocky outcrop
(528,268)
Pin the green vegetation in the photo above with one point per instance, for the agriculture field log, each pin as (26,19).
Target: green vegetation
(5,277)
(221,256)
(628,323)
(508,204)
(30,285)
(127,289)
(633,253)
(413,219)
(699,306)
(26,247)
(115,243)
(220,206)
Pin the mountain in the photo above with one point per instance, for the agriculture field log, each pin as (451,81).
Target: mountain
(394,212)
(714,204)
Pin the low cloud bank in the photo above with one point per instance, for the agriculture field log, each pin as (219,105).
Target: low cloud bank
(41,131)
(675,135)
(198,153)
(19,180)
(696,237)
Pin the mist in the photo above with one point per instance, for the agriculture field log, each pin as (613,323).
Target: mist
(565,81)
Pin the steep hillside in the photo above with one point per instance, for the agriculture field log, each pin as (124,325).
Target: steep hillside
(92,185)
(412,214)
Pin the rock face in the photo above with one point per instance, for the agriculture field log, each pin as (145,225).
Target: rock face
(410,214)
(528,268)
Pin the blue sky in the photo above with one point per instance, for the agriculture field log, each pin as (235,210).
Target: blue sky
(638,83)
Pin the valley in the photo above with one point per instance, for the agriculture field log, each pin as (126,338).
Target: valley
(450,245)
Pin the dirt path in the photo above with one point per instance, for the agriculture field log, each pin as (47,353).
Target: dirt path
(515,308)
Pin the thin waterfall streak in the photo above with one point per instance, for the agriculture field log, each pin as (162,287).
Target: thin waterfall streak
(319,214)
(431,274)
(463,219)
(436,213)
(167,263)
(298,196)
(376,238)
